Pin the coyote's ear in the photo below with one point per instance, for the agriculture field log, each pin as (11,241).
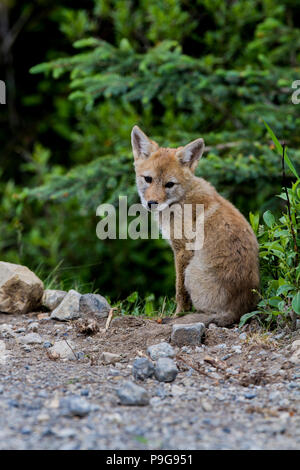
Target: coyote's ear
(142,146)
(191,153)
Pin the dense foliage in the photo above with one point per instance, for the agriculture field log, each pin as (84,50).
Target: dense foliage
(178,69)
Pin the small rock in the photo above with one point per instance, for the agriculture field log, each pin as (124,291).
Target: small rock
(280,335)
(43,316)
(250,395)
(6,331)
(190,334)
(236,348)
(243,336)
(94,304)
(186,349)
(33,326)
(131,394)
(206,405)
(160,350)
(297,324)
(26,431)
(75,406)
(295,345)
(69,308)
(165,370)
(109,358)
(84,393)
(47,344)
(64,350)
(52,298)
(31,338)
(3,353)
(211,326)
(21,330)
(20,289)
(295,358)
(142,368)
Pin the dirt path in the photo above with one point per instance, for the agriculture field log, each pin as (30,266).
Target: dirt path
(237,391)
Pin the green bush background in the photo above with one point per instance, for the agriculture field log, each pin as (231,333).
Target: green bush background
(79,75)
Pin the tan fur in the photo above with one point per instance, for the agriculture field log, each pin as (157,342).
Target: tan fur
(219,278)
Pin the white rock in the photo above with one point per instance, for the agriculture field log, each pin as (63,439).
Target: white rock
(4,354)
(295,358)
(64,350)
(109,358)
(6,331)
(69,308)
(31,338)
(33,326)
(20,289)
(295,345)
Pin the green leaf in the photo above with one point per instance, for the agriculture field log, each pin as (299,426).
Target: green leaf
(132,297)
(296,303)
(280,150)
(246,317)
(269,218)
(254,221)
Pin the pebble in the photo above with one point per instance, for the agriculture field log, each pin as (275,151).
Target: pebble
(31,338)
(131,394)
(74,406)
(250,395)
(160,350)
(6,331)
(21,330)
(243,336)
(142,368)
(47,344)
(236,348)
(165,370)
(64,350)
(187,334)
(109,358)
(33,326)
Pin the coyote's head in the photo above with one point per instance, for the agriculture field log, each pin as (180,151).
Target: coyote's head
(163,175)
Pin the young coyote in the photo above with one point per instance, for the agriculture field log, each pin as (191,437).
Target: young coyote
(219,278)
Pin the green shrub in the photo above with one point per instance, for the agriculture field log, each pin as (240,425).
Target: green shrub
(279,246)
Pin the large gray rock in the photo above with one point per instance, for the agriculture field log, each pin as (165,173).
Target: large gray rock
(160,350)
(165,370)
(131,394)
(94,303)
(52,298)
(190,334)
(69,308)
(20,289)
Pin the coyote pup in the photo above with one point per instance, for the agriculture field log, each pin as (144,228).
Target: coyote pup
(218,279)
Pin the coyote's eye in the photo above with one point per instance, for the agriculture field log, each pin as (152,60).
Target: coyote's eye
(148,179)
(170,184)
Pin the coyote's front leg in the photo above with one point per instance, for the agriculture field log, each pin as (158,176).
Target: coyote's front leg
(183,300)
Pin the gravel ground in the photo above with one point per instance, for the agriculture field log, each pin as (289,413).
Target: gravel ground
(236,391)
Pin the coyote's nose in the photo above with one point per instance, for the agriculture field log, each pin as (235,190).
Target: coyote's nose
(151,203)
